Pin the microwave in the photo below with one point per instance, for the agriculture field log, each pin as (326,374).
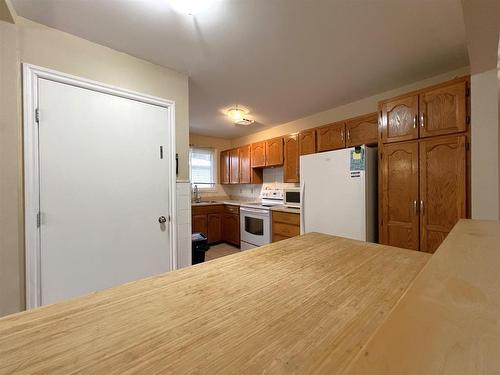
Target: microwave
(291,197)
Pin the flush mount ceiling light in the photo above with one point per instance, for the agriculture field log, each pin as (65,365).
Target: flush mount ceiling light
(190,7)
(237,115)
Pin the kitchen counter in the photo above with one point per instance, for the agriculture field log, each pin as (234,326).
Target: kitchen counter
(303,305)
(290,210)
(221,201)
(242,203)
(448,321)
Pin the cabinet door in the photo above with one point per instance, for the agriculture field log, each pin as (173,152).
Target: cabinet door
(274,152)
(291,166)
(234,175)
(245,168)
(224,167)
(307,142)
(362,130)
(400,119)
(199,224)
(442,188)
(331,137)
(214,228)
(399,195)
(231,228)
(443,110)
(259,154)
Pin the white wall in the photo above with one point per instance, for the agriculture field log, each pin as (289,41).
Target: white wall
(485,145)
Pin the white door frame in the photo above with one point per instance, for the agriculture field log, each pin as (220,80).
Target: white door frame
(31,75)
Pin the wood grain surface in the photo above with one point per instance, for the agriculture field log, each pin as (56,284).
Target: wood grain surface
(448,321)
(303,305)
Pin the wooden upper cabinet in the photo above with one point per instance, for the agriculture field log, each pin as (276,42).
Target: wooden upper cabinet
(225,167)
(442,188)
(443,110)
(274,152)
(291,165)
(400,119)
(234,175)
(362,130)
(399,195)
(245,166)
(307,142)
(331,137)
(258,154)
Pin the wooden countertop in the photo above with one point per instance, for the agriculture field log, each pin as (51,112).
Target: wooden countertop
(302,305)
(449,320)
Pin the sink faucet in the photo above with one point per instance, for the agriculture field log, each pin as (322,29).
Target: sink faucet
(196,192)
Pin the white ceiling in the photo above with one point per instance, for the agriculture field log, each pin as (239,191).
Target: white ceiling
(282,59)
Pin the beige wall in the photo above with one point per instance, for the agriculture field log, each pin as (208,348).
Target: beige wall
(485,177)
(29,42)
(11,227)
(219,144)
(357,108)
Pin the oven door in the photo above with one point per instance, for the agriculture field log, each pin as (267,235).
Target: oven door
(255,226)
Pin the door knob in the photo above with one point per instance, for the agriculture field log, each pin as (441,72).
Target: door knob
(162,219)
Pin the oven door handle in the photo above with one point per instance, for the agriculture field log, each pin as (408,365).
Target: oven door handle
(249,210)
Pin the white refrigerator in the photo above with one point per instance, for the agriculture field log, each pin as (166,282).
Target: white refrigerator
(339,193)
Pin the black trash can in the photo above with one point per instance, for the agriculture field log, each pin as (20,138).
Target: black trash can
(199,247)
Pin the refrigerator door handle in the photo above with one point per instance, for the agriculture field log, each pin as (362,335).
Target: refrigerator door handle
(302,208)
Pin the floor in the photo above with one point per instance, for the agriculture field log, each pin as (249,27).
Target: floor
(220,250)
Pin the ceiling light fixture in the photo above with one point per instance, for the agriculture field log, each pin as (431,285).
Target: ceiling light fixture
(190,7)
(237,115)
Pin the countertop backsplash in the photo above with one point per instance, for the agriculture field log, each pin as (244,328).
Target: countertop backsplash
(272,178)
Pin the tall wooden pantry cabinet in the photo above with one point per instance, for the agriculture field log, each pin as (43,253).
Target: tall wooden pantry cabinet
(423,165)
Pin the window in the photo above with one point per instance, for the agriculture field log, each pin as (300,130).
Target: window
(202,167)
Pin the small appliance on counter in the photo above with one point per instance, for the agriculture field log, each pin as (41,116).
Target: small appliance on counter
(255,219)
(291,197)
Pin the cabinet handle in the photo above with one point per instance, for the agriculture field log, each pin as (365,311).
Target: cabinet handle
(415,207)
(342,135)
(349,134)
(421,207)
(415,118)
(422,122)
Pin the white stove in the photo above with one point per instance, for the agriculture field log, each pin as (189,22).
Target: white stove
(255,219)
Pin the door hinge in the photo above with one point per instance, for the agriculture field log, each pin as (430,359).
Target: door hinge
(467,146)
(467,91)
(37,116)
(467,119)
(38,219)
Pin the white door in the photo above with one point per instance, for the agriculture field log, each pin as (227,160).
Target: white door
(333,197)
(103,187)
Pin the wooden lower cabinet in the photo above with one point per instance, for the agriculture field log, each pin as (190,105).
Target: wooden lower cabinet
(443,182)
(285,225)
(214,228)
(423,191)
(220,223)
(199,224)
(231,228)
(399,195)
